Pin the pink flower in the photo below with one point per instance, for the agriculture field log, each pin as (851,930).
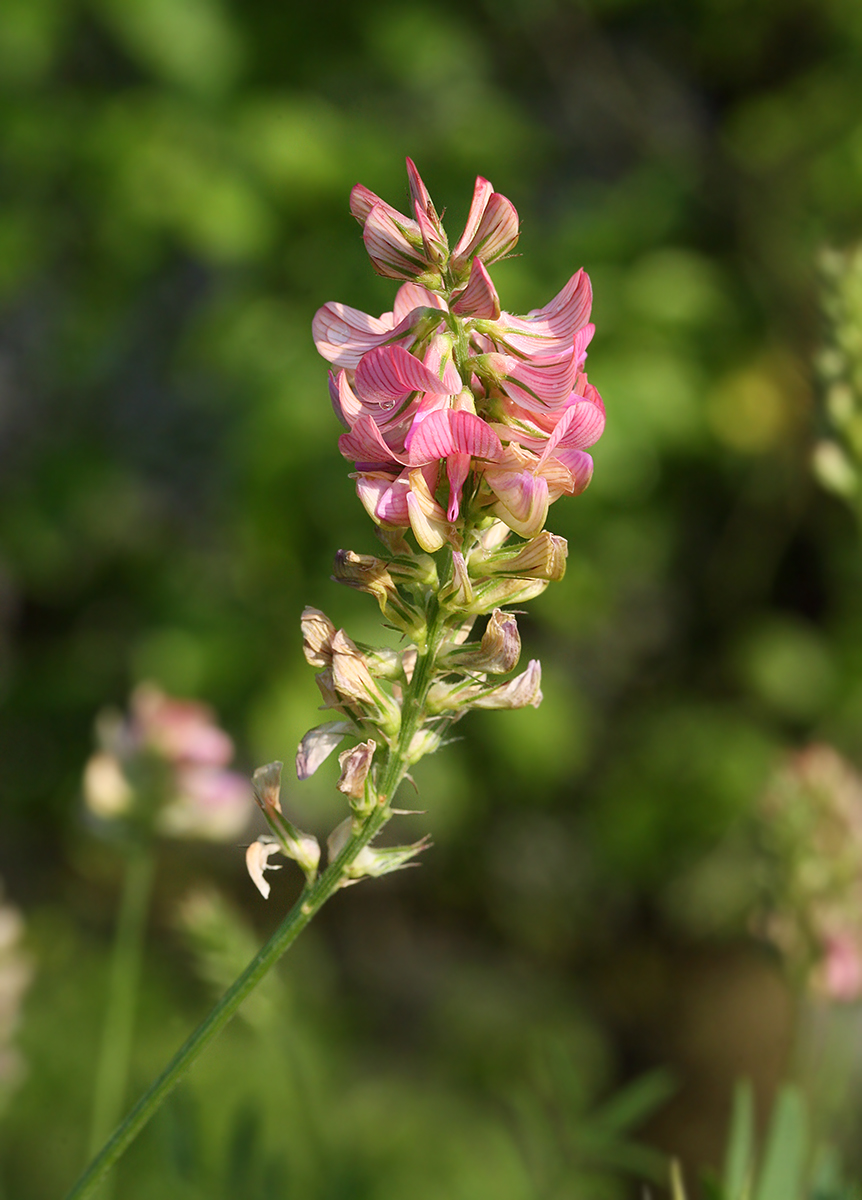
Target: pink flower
(448,382)
(182,754)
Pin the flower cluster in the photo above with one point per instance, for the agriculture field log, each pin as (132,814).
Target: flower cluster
(464,423)
(164,767)
(811,830)
(447,392)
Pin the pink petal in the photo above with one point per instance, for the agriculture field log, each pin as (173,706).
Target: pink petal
(384,498)
(418,191)
(345,403)
(497,232)
(391,254)
(479,298)
(446,432)
(482,193)
(363,201)
(580,464)
(389,373)
(545,329)
(581,425)
(439,359)
(364,444)
(457,470)
(343,334)
(540,382)
(524,499)
(411,296)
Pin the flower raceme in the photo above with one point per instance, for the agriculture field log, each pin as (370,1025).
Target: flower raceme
(449,398)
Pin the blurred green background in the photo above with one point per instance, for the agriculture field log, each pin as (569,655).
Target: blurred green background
(174,178)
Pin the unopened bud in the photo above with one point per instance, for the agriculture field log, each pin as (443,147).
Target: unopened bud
(365,573)
(424,741)
(369,861)
(458,593)
(504,592)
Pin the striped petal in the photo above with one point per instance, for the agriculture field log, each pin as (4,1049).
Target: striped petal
(364,444)
(479,298)
(540,382)
(389,374)
(392,254)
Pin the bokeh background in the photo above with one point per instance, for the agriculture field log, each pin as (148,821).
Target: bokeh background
(174,178)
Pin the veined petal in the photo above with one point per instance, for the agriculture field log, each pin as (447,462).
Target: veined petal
(496,233)
(392,254)
(540,381)
(580,465)
(389,374)
(440,361)
(348,408)
(317,745)
(524,689)
(523,499)
(581,425)
(363,201)
(452,432)
(479,298)
(364,444)
(427,518)
(384,498)
(482,192)
(411,296)
(556,323)
(343,334)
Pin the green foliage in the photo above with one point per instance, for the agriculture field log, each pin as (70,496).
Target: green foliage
(173,184)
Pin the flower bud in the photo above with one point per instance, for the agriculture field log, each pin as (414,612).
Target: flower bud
(369,861)
(365,573)
(424,741)
(458,592)
(504,592)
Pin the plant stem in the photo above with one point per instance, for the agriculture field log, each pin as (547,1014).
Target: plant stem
(313,897)
(115,1051)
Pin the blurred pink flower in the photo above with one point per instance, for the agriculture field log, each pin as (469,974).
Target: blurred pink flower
(196,796)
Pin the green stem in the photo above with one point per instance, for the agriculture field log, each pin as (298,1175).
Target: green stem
(113,1064)
(312,899)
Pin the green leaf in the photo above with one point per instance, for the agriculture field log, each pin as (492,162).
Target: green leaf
(781,1177)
